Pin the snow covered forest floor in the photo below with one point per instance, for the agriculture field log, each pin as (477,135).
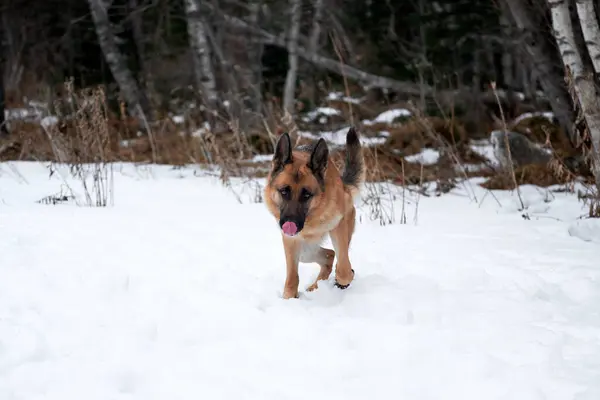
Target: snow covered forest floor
(174,292)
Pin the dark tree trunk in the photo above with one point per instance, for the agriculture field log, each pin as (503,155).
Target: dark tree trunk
(540,60)
(137,29)
(3,128)
(136,101)
(255,53)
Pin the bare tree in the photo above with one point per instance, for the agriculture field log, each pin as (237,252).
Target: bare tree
(315,33)
(541,61)
(292,48)
(199,43)
(583,80)
(314,44)
(508,54)
(255,53)
(229,88)
(327,63)
(137,29)
(423,63)
(13,44)
(136,101)
(3,129)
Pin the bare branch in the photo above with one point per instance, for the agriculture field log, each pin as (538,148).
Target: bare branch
(368,79)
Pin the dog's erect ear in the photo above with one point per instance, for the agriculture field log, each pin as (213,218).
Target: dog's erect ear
(318,159)
(283,152)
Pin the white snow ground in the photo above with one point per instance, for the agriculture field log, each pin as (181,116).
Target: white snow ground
(174,293)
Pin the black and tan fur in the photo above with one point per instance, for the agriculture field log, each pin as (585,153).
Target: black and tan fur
(305,187)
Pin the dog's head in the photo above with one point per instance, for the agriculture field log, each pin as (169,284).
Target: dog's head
(297,182)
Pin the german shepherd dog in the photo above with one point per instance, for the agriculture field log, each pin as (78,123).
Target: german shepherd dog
(308,196)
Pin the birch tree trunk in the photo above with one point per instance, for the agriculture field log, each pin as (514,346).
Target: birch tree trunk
(292,48)
(135,99)
(202,60)
(583,81)
(590,30)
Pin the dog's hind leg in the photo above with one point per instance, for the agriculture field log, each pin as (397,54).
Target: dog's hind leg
(341,236)
(324,257)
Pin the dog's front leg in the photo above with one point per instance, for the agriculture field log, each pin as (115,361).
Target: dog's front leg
(292,247)
(341,237)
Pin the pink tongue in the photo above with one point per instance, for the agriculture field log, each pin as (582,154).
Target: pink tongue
(289,228)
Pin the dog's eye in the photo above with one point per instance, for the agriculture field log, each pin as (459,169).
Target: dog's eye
(305,195)
(284,191)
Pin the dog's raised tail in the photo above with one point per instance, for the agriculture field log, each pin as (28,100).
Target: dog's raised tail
(354,167)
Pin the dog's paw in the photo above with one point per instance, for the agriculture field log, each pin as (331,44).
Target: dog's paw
(342,287)
(290,294)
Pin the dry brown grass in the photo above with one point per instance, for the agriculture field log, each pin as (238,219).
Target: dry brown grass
(84,144)
(539,130)
(348,110)
(538,175)
(384,162)
(412,136)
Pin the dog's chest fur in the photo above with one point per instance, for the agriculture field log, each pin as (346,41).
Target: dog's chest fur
(327,226)
(316,235)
